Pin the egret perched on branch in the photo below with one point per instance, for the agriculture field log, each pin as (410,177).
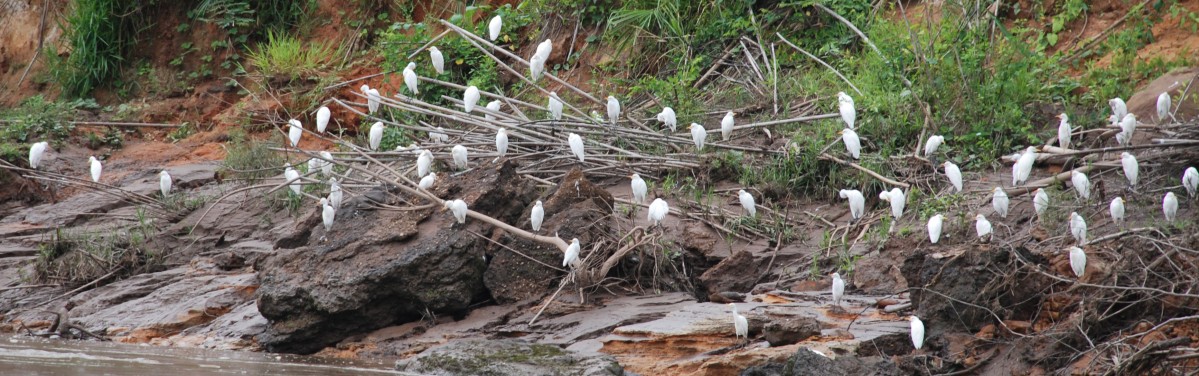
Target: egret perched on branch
(555,106)
(1163,107)
(1117,210)
(164,183)
(740,324)
(458,207)
(982,226)
(493,106)
(294,131)
(726,126)
(460,156)
(293,177)
(1078,228)
(1078,261)
(576,145)
(372,100)
(423,162)
(930,146)
(501,142)
(698,135)
(1040,202)
(428,181)
(639,189)
(838,289)
(493,27)
(917,332)
(1119,109)
(852,143)
(1081,184)
(470,98)
(96,168)
(572,254)
(439,136)
(747,202)
(36,152)
(327,214)
(1131,168)
(322,119)
(438,59)
(954,174)
(934,228)
(857,203)
(376,135)
(845,105)
(1023,167)
(613,109)
(897,199)
(1064,131)
(1128,125)
(667,117)
(1190,181)
(540,57)
(536,216)
(1170,206)
(314,164)
(410,79)
(999,201)
(327,163)
(657,211)
(335,193)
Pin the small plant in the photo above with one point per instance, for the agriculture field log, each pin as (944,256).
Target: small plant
(251,160)
(286,55)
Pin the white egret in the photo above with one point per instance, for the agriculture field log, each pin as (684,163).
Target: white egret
(639,188)
(1081,184)
(999,201)
(1023,167)
(845,105)
(458,207)
(1064,131)
(493,27)
(439,136)
(1131,168)
(852,143)
(410,79)
(726,126)
(658,210)
(954,174)
(1128,125)
(335,194)
(1190,181)
(293,176)
(1078,261)
(740,324)
(982,226)
(294,131)
(423,162)
(930,146)
(376,135)
(1170,206)
(613,109)
(322,119)
(36,152)
(493,106)
(327,163)
(667,117)
(364,88)
(857,202)
(572,254)
(897,199)
(1163,107)
(747,202)
(1078,228)
(1119,109)
(934,228)
(576,145)
(96,168)
(540,57)
(1040,202)
(438,59)
(698,135)
(460,156)
(536,216)
(555,106)
(1116,208)
(314,164)
(372,100)
(501,142)
(327,214)
(428,181)
(595,115)
(917,332)
(469,98)
(838,289)
(164,183)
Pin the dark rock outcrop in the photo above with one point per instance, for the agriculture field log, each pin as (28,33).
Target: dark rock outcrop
(507,358)
(789,330)
(806,362)
(729,274)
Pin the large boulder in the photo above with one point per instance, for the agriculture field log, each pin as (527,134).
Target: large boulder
(381,267)
(508,358)
(806,362)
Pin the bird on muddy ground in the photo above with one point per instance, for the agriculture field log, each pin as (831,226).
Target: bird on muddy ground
(327,214)
(423,162)
(458,208)
(1128,125)
(95,168)
(657,211)
(572,254)
(501,142)
(613,110)
(698,135)
(1078,228)
(1064,131)
(1119,109)
(857,203)
(460,156)
(375,136)
(726,126)
(373,99)
(295,130)
(335,194)
(470,98)
(954,174)
(437,59)
(1190,181)
(982,227)
(576,145)
(555,106)
(668,117)
(428,181)
(1163,107)
(747,202)
(494,26)
(322,119)
(327,163)
(293,177)
(37,151)
(838,289)
(852,143)
(849,114)
(639,188)
(999,201)
(930,147)
(1023,166)
(740,324)
(1116,209)
(917,332)
(1040,202)
(1131,169)
(493,106)
(897,200)
(1082,185)
(164,183)
(1170,206)
(934,228)
(410,78)
(536,216)
(1078,261)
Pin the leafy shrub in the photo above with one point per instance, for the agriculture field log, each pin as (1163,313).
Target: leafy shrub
(98,33)
(285,55)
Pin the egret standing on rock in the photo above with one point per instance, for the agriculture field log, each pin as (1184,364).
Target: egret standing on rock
(1081,184)
(460,156)
(740,324)
(657,211)
(410,78)
(1040,202)
(1170,206)
(857,203)
(458,208)
(438,59)
(293,177)
(930,146)
(493,27)
(470,98)
(1064,131)
(982,226)
(1078,261)
(335,194)
(897,199)
(934,228)
(1116,208)
(501,142)
(36,152)
(1078,228)
(838,289)
(1131,168)
(639,189)
(572,254)
(327,214)
(917,332)
(698,135)
(555,106)
(372,100)
(493,106)
(747,202)
(1023,166)
(376,135)
(1163,107)
(845,105)
(999,201)
(726,126)
(667,117)
(1190,181)
(322,119)
(294,131)
(164,183)
(428,181)
(423,162)
(852,144)
(536,216)
(576,145)
(954,174)
(95,167)
(613,110)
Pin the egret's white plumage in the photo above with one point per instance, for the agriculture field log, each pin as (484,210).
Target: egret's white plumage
(493,106)
(460,156)
(658,210)
(1131,168)
(897,200)
(1190,181)
(458,208)
(314,164)
(410,78)
(917,332)
(698,135)
(1023,167)
(295,130)
(838,289)
(335,194)
(1078,261)
(36,152)
(849,114)
(438,59)
(372,100)
(954,174)
(164,183)
(555,106)
(930,146)
(999,201)
(1116,208)
(1163,107)
(493,27)
(501,141)
(613,110)
(668,117)
(1040,202)
(536,216)
(576,145)
(95,167)
(1078,228)
(1119,109)
(747,202)
(982,226)
(423,162)
(852,143)
(540,57)
(639,188)
(572,254)
(1081,184)
(470,98)
(726,126)
(740,324)
(857,202)
(439,136)
(428,181)
(326,163)
(1128,125)
(934,228)
(293,176)
(1064,131)
(376,135)
(327,214)
(1170,206)
(322,119)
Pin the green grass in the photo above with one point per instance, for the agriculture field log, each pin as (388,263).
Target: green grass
(98,34)
(250,159)
(286,55)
